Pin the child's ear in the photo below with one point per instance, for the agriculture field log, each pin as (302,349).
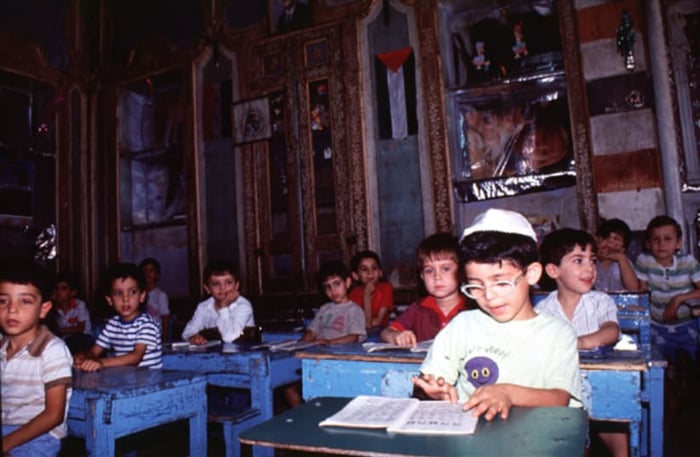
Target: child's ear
(142,296)
(45,308)
(348,282)
(355,276)
(552,270)
(109,300)
(533,273)
(206,289)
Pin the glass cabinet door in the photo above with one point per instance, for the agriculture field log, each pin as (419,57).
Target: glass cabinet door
(152,194)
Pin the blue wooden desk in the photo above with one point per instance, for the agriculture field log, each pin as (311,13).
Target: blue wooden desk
(536,432)
(626,386)
(260,371)
(115,402)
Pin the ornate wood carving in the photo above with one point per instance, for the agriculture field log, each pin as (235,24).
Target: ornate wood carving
(434,113)
(578,114)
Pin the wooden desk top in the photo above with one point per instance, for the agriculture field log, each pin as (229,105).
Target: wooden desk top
(614,360)
(528,432)
(122,380)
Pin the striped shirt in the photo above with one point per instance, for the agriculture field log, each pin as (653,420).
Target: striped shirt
(121,337)
(43,363)
(594,308)
(667,282)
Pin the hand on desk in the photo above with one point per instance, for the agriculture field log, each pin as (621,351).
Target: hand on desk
(489,400)
(87,364)
(197,339)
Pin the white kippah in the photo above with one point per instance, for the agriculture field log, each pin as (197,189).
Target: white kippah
(501,220)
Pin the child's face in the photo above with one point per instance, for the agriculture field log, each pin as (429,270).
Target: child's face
(126,296)
(150,272)
(576,272)
(440,277)
(506,288)
(663,243)
(614,242)
(336,288)
(21,307)
(367,271)
(224,288)
(62,293)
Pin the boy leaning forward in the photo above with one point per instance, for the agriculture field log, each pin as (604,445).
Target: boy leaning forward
(504,354)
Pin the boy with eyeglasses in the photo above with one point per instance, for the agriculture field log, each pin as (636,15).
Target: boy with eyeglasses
(132,335)
(438,268)
(569,258)
(504,354)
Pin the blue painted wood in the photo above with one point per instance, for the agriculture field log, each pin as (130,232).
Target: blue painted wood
(260,371)
(115,402)
(626,385)
(539,432)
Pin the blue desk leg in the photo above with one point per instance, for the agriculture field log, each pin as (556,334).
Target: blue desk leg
(654,381)
(198,435)
(99,436)
(262,397)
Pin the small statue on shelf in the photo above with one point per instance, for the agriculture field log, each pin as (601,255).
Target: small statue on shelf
(480,61)
(520,47)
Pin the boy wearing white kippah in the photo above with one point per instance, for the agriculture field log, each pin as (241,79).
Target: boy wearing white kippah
(503,354)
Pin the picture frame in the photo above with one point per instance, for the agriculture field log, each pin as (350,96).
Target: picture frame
(251,121)
(316,53)
(280,23)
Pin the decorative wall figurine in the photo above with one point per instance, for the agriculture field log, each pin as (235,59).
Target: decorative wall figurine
(480,61)
(520,47)
(625,40)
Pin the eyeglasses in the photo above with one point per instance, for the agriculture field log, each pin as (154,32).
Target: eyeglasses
(498,288)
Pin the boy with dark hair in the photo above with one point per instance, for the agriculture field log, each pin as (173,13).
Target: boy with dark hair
(568,256)
(504,354)
(132,336)
(71,313)
(438,267)
(226,313)
(157,302)
(35,365)
(374,295)
(340,320)
(615,270)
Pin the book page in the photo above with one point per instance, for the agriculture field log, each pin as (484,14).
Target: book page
(371,346)
(438,417)
(372,412)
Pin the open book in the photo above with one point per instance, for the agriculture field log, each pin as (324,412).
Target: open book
(370,346)
(404,415)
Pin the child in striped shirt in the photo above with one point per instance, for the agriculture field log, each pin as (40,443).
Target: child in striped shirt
(674,282)
(132,335)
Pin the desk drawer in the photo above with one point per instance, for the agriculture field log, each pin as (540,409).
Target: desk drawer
(615,395)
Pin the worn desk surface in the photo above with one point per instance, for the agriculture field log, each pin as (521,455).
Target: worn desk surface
(115,402)
(528,432)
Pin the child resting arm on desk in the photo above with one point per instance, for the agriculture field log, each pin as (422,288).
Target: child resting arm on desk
(226,312)
(132,335)
(504,354)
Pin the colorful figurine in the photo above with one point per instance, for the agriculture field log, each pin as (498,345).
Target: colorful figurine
(520,47)
(479,60)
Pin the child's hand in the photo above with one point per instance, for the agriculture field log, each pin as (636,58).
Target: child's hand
(489,400)
(197,339)
(671,311)
(90,365)
(78,359)
(406,338)
(437,389)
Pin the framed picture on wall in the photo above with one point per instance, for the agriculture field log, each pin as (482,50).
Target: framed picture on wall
(288,15)
(251,121)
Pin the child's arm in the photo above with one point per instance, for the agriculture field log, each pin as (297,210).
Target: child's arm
(608,333)
(497,399)
(309,336)
(87,361)
(367,294)
(50,417)
(194,326)
(232,319)
(671,311)
(627,273)
(400,337)
(379,318)
(165,326)
(132,358)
